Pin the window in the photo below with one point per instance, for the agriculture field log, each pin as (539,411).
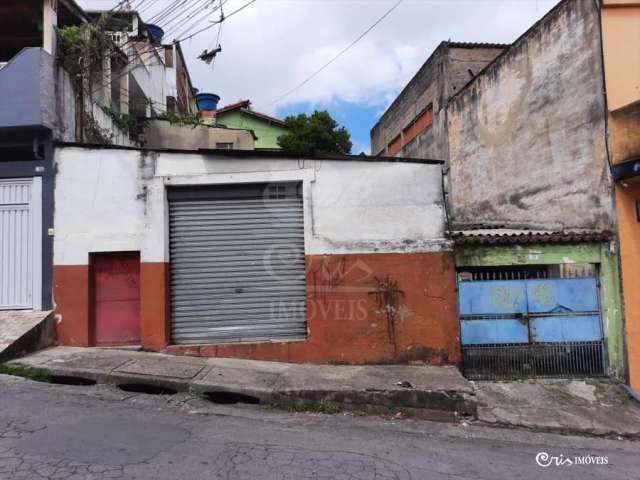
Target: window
(638,210)
(418,124)
(168,57)
(421,121)
(171,104)
(224,146)
(395,146)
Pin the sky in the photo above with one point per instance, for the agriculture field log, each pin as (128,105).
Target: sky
(271,46)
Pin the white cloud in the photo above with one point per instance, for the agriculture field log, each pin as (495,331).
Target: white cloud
(273,45)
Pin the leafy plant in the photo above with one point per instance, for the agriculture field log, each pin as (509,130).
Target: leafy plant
(82,47)
(93,133)
(317,133)
(126,122)
(182,120)
(18,370)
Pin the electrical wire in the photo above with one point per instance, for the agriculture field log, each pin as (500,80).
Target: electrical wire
(217,44)
(338,55)
(183,30)
(153,50)
(186,15)
(213,24)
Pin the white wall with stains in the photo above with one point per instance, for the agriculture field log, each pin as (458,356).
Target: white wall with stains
(111,199)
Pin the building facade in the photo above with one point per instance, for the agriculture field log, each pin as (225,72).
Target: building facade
(620,37)
(239,115)
(530,200)
(50,96)
(254,255)
(528,151)
(415,123)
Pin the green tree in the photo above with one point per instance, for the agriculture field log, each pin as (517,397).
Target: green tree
(317,133)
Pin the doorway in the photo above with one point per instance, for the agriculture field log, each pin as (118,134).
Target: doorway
(116,298)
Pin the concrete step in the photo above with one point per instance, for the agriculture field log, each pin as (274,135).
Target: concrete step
(428,392)
(25,331)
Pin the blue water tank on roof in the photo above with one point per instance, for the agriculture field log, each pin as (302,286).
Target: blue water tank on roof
(207,102)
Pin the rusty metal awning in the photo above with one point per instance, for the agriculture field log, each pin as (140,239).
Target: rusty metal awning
(518,237)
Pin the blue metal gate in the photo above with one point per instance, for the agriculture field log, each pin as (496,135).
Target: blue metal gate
(524,328)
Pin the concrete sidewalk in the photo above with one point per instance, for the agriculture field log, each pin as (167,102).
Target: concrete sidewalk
(433,393)
(598,407)
(24,331)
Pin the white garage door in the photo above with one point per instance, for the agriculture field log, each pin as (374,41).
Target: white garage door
(237,263)
(20,252)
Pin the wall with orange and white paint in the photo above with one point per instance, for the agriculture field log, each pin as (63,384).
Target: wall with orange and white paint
(380,274)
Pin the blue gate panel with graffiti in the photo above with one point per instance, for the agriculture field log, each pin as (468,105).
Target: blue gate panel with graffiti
(529,311)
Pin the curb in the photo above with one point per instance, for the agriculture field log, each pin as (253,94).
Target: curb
(609,435)
(434,405)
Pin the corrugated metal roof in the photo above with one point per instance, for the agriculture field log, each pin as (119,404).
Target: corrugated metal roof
(516,237)
(477,45)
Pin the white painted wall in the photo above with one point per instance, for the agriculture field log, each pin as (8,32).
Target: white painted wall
(115,200)
(49,24)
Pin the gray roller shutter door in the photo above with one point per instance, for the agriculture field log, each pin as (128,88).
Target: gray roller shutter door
(237,263)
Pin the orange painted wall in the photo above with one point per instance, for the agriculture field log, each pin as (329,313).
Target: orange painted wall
(71,295)
(621,45)
(154,305)
(394,146)
(349,318)
(347,323)
(422,121)
(629,231)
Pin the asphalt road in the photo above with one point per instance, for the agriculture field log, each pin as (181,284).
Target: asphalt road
(66,432)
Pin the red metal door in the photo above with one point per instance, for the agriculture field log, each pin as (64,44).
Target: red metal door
(116,284)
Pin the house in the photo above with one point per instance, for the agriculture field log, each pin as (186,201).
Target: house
(181,97)
(415,124)
(241,115)
(57,88)
(529,197)
(254,254)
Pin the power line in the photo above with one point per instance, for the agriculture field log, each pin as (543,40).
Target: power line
(338,55)
(213,24)
(153,50)
(182,29)
(163,13)
(185,15)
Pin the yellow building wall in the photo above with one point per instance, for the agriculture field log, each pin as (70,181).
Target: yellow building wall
(629,231)
(621,42)
(621,50)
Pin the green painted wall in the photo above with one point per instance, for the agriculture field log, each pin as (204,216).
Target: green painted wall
(266,131)
(610,291)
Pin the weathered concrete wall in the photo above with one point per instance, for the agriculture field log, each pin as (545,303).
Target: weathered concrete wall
(115,200)
(162,134)
(527,137)
(442,75)
(426,87)
(350,206)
